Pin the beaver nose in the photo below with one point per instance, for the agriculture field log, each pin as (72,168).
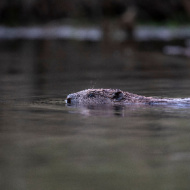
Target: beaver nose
(69,99)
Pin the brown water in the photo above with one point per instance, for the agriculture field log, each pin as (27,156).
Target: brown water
(48,145)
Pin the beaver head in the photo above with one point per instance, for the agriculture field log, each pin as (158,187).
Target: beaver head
(96,96)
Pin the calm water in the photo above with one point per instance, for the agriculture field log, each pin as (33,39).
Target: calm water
(48,145)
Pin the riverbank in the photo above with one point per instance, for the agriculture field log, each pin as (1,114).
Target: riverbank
(94,33)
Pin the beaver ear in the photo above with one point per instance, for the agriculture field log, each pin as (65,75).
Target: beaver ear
(118,96)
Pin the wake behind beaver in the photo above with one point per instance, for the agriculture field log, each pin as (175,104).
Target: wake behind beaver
(118,97)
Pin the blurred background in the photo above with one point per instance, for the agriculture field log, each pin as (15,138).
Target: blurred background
(50,36)
(20,12)
(116,28)
(51,48)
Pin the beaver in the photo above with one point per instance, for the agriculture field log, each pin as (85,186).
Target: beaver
(117,97)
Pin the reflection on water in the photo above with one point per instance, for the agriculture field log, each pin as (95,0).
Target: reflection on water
(48,145)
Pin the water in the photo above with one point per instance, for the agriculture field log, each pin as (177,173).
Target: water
(48,145)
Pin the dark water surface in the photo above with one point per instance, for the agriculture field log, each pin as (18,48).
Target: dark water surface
(45,144)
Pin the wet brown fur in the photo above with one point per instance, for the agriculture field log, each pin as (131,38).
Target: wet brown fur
(111,96)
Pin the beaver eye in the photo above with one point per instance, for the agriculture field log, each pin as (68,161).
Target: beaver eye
(91,95)
(118,96)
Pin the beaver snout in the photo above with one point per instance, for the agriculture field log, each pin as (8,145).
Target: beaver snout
(69,99)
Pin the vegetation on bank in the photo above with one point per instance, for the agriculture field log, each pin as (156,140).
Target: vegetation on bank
(21,12)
